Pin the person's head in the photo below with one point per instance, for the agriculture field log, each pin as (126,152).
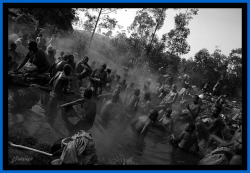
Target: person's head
(174,87)
(40,35)
(103,67)
(190,127)
(108,86)
(62,53)
(147,96)
(187,86)
(153,115)
(185,76)
(148,83)
(13,46)
(70,58)
(51,51)
(32,46)
(239,119)
(137,92)
(196,99)
(65,57)
(67,69)
(108,71)
(87,93)
(169,112)
(85,60)
(216,111)
(132,85)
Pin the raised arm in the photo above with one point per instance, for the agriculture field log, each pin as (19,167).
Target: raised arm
(49,41)
(104,95)
(178,140)
(136,104)
(145,128)
(218,100)
(73,103)
(27,57)
(194,113)
(174,99)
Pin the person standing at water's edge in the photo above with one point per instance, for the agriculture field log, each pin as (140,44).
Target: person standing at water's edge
(142,123)
(60,83)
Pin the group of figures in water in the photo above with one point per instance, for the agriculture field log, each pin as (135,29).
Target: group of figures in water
(90,94)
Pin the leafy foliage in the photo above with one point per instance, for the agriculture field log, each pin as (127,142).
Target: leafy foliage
(60,18)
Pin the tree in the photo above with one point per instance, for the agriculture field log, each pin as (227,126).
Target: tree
(142,26)
(108,23)
(235,62)
(176,42)
(160,15)
(59,18)
(221,62)
(207,67)
(95,26)
(92,20)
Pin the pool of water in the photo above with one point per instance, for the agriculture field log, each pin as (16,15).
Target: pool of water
(28,106)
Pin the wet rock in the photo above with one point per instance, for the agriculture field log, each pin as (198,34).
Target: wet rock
(217,159)
(219,156)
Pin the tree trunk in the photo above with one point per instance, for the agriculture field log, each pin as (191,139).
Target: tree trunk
(153,36)
(95,27)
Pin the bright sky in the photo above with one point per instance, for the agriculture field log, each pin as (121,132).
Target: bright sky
(210,28)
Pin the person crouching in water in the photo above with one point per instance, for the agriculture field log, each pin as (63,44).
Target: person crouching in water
(59,84)
(84,108)
(194,109)
(166,121)
(109,110)
(186,139)
(37,57)
(169,99)
(132,103)
(143,123)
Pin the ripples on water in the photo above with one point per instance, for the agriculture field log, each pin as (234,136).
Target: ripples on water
(28,106)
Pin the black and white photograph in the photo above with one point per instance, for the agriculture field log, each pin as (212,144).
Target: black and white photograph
(126,85)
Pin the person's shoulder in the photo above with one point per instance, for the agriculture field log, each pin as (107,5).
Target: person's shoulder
(79,63)
(63,78)
(40,51)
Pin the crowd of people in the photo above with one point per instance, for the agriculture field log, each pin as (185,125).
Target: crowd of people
(109,95)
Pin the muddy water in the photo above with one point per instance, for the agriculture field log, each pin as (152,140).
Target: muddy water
(27,107)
